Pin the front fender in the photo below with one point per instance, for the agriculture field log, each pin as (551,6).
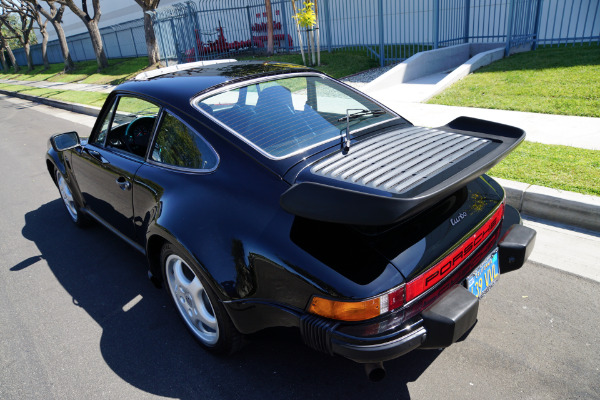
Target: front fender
(54,161)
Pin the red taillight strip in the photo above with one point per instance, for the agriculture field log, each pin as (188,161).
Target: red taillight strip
(432,276)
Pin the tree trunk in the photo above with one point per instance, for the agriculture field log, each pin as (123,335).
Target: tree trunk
(27,49)
(101,58)
(12,59)
(45,48)
(5,46)
(299,33)
(308,49)
(152,46)
(269,27)
(318,33)
(64,47)
(3,61)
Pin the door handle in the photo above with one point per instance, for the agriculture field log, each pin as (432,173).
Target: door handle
(123,183)
(97,156)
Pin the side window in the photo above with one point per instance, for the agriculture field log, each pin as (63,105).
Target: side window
(178,145)
(132,124)
(101,137)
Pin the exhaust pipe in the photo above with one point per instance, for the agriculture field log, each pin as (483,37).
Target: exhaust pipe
(375,371)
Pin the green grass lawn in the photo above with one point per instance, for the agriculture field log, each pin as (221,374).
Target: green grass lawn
(558,167)
(38,73)
(339,63)
(88,98)
(550,80)
(118,71)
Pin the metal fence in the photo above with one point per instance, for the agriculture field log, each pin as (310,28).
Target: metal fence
(189,32)
(120,41)
(390,30)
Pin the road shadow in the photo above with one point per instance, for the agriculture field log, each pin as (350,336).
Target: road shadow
(146,345)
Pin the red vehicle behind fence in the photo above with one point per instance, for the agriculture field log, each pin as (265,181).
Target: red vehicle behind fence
(221,45)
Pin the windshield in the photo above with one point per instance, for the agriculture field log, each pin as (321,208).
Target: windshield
(285,116)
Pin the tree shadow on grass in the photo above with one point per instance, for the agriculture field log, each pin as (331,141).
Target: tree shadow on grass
(146,345)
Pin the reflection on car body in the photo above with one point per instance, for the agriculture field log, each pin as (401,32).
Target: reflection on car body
(268,194)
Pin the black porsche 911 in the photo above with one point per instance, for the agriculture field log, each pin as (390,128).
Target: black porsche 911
(267,194)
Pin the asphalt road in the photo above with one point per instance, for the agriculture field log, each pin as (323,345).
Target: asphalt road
(79,319)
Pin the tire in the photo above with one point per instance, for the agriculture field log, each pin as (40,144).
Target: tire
(73,210)
(201,311)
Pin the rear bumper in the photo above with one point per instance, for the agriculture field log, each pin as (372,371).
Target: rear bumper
(440,325)
(443,322)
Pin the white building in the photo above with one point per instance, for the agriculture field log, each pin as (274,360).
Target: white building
(113,12)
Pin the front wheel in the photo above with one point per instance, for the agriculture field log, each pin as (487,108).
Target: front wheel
(202,312)
(73,210)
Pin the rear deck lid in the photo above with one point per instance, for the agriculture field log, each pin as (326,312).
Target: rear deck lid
(391,176)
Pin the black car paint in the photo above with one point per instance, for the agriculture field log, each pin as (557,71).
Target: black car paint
(264,278)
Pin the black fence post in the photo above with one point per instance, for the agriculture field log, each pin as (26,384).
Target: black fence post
(536,29)
(467,21)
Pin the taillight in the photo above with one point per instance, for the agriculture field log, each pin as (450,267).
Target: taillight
(357,310)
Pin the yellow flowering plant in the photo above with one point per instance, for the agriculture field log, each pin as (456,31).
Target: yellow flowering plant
(306,16)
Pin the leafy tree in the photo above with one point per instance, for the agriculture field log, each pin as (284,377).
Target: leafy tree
(5,47)
(33,12)
(54,15)
(307,19)
(91,23)
(16,20)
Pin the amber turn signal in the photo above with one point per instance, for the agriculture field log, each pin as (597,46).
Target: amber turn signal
(357,310)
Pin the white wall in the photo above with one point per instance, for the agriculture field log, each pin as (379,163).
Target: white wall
(113,12)
(363,14)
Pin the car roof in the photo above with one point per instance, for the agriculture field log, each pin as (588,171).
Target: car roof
(175,87)
(179,83)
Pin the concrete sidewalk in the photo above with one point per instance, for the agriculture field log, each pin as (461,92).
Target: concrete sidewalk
(82,87)
(582,132)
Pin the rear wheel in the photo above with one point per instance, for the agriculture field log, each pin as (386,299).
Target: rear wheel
(66,194)
(202,312)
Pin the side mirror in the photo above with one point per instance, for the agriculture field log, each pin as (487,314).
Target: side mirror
(65,141)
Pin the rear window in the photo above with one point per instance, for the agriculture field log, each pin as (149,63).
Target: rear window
(282,117)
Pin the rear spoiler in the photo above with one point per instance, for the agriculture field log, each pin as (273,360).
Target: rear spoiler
(337,188)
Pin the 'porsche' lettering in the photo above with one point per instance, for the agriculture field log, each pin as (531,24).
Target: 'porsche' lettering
(454,259)
(431,277)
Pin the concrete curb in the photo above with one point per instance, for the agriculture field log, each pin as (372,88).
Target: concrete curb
(65,105)
(555,205)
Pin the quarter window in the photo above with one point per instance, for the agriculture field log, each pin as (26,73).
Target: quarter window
(178,145)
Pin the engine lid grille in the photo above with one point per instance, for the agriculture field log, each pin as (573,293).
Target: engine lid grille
(400,160)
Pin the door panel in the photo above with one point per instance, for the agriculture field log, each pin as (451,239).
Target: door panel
(105,179)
